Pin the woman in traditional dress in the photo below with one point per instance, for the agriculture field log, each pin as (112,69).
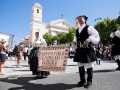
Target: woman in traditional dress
(34,57)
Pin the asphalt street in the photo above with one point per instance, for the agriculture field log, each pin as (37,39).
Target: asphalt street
(103,80)
(105,77)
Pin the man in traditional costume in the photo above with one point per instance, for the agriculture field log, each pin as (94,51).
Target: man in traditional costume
(85,55)
(115,35)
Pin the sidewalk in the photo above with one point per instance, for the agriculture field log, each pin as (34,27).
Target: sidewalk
(10,67)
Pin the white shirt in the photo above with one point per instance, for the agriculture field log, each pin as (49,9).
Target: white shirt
(94,35)
(25,49)
(29,50)
(117,33)
(40,41)
(71,49)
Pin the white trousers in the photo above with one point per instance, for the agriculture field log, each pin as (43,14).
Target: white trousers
(87,65)
(117,57)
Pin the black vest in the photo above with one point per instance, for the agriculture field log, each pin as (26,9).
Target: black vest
(84,54)
(81,37)
(116,40)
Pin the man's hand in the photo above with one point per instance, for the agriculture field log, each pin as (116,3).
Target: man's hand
(74,43)
(85,42)
(114,33)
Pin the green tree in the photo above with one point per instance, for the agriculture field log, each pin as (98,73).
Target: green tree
(118,22)
(54,38)
(70,35)
(105,28)
(48,37)
(61,37)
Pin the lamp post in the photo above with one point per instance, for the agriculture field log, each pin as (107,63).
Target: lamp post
(119,17)
(14,43)
(26,40)
(119,12)
(98,20)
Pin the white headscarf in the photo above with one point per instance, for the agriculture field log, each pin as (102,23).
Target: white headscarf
(40,41)
(77,24)
(117,33)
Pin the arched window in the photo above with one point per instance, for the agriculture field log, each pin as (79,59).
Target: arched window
(37,10)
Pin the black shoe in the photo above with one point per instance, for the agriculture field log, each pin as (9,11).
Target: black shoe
(39,77)
(118,68)
(35,77)
(88,85)
(81,83)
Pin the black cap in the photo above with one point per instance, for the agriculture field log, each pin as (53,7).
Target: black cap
(114,30)
(85,17)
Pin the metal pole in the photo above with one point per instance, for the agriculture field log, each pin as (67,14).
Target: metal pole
(14,43)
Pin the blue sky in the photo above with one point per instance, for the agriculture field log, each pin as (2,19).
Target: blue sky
(15,15)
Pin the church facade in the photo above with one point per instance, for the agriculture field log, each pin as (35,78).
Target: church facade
(37,25)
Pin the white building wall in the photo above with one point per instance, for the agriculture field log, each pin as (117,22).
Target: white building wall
(36,27)
(37,16)
(7,37)
(36,24)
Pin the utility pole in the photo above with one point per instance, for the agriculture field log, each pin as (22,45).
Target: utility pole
(119,12)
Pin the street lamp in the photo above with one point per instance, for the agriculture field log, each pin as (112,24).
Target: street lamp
(98,20)
(14,43)
(118,18)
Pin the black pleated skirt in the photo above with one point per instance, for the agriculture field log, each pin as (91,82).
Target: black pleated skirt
(85,55)
(115,50)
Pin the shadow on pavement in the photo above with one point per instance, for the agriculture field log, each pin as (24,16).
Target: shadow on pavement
(72,65)
(21,70)
(109,62)
(8,67)
(101,71)
(22,65)
(26,84)
(11,60)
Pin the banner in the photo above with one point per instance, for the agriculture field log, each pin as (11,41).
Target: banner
(53,58)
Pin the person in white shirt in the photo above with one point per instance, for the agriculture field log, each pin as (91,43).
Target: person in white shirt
(10,53)
(25,52)
(28,53)
(85,55)
(71,52)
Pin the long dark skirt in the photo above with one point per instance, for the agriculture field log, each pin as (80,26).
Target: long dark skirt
(34,68)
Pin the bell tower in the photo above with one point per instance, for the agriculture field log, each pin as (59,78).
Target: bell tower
(37,12)
(36,19)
